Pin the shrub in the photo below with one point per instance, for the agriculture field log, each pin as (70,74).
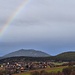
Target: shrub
(67,71)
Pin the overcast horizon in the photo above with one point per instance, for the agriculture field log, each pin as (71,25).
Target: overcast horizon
(46,25)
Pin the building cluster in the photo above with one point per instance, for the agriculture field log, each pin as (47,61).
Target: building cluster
(18,67)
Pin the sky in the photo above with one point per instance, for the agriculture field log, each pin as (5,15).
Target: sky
(45,25)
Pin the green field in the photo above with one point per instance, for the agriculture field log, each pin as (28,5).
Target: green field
(55,69)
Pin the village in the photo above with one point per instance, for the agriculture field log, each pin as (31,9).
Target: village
(18,67)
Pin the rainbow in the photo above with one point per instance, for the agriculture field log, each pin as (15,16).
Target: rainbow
(13,16)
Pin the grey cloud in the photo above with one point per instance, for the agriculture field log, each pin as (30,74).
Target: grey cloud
(45,21)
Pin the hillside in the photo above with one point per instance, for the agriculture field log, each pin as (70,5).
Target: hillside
(66,56)
(29,53)
(41,56)
(0,57)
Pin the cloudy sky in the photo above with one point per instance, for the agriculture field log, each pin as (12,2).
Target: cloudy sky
(46,25)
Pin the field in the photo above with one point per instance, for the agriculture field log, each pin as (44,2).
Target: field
(1,68)
(55,69)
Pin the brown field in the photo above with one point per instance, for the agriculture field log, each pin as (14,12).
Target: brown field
(1,68)
(55,69)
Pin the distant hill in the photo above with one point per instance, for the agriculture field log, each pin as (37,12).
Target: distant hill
(33,55)
(29,53)
(66,56)
(0,57)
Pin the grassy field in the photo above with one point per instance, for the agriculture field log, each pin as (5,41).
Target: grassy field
(55,69)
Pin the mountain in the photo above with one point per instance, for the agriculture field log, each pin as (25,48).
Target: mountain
(28,53)
(66,56)
(33,55)
(0,57)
